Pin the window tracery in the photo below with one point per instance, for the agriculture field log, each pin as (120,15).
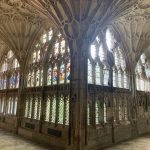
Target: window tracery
(58,69)
(99,66)
(9,75)
(35,71)
(9,81)
(55,72)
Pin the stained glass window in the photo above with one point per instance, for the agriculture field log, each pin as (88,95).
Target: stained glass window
(9,71)
(62,74)
(59,62)
(68,72)
(49,65)
(55,74)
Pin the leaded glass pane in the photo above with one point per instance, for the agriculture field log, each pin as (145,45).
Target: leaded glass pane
(15,106)
(97,70)
(56,51)
(62,48)
(53,117)
(49,76)
(68,72)
(106,76)
(119,79)
(32,79)
(26,108)
(39,108)
(48,105)
(62,74)
(114,78)
(55,75)
(105,113)
(67,111)
(29,80)
(93,51)
(96,113)
(30,107)
(38,78)
(61,110)
(35,108)
(44,38)
(90,73)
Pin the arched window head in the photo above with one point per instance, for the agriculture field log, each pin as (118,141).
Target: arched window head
(10,54)
(93,51)
(143,58)
(36,55)
(147,71)
(47,36)
(15,64)
(102,53)
(110,40)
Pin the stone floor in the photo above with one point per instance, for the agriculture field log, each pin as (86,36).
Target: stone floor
(9,141)
(141,143)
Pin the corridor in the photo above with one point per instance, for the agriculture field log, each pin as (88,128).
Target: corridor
(141,143)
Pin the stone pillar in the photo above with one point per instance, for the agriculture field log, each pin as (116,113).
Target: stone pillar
(20,102)
(78,95)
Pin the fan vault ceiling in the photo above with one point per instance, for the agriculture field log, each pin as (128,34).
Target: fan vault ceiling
(23,21)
